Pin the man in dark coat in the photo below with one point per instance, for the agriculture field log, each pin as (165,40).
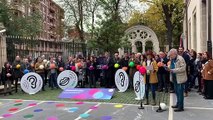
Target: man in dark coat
(18,68)
(186,57)
(108,73)
(162,79)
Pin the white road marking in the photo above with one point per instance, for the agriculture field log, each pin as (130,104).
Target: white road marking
(87,102)
(88,111)
(170,117)
(198,108)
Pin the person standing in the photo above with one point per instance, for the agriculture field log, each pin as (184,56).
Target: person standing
(31,62)
(40,69)
(178,76)
(18,68)
(132,70)
(100,71)
(116,60)
(150,78)
(108,71)
(125,61)
(70,63)
(198,67)
(92,68)
(163,83)
(60,64)
(193,71)
(186,57)
(52,67)
(208,79)
(7,77)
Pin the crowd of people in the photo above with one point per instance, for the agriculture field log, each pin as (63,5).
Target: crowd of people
(177,71)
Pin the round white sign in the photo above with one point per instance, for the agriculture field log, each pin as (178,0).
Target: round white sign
(67,79)
(121,80)
(139,85)
(31,83)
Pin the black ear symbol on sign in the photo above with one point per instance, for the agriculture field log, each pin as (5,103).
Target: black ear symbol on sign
(122,77)
(137,86)
(33,80)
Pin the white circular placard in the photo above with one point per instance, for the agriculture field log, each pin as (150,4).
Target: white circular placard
(139,85)
(121,80)
(31,83)
(67,79)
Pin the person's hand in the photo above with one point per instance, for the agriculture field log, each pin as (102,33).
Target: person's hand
(209,73)
(8,75)
(167,68)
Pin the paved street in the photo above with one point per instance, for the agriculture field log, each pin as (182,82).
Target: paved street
(196,108)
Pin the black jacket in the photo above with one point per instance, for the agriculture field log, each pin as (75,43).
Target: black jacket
(4,73)
(18,73)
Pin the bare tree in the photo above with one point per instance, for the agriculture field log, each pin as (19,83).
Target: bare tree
(75,14)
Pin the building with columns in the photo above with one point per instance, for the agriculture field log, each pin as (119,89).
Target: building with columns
(198,25)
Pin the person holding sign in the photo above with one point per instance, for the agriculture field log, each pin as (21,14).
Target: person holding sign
(179,77)
(150,78)
(39,68)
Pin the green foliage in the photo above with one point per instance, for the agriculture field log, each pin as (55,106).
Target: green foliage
(109,36)
(21,25)
(171,12)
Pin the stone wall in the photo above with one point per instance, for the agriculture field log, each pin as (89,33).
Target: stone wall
(3,51)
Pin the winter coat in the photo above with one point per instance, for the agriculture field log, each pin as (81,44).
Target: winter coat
(18,72)
(153,74)
(4,73)
(207,72)
(179,70)
(37,69)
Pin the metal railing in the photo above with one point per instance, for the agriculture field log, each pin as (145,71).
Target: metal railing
(24,46)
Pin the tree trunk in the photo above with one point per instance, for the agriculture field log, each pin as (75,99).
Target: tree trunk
(80,24)
(169,25)
(93,22)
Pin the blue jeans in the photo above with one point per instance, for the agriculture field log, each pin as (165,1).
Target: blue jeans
(53,80)
(179,90)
